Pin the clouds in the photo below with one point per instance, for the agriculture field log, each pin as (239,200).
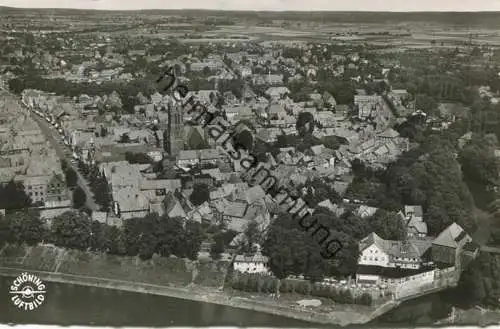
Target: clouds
(333,5)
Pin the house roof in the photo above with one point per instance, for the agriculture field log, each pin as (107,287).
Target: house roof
(417,224)
(366,211)
(173,207)
(277,91)
(100,216)
(188,155)
(235,209)
(453,236)
(416,210)
(253,194)
(317,149)
(257,258)
(389,133)
(130,199)
(411,248)
(209,154)
(334,208)
(156,184)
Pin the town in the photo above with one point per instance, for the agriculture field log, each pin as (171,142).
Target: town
(392,148)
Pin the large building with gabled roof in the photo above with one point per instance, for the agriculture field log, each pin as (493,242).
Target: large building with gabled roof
(415,258)
(448,245)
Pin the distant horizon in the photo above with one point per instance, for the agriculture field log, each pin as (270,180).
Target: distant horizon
(387,6)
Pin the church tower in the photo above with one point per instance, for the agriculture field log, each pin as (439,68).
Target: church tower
(174,141)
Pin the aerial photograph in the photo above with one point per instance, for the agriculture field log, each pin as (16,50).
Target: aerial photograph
(280,163)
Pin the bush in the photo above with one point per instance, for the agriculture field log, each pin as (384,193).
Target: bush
(364,299)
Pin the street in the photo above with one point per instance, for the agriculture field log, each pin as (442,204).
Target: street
(64,153)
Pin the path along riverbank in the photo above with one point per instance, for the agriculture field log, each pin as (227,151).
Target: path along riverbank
(167,277)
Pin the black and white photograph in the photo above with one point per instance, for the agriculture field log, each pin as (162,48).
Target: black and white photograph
(230,163)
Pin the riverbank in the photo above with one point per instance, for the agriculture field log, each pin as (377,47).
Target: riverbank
(474,316)
(171,277)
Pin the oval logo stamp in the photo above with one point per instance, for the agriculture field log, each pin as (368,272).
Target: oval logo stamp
(28,292)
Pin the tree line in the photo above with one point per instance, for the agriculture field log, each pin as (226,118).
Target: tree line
(268,284)
(141,237)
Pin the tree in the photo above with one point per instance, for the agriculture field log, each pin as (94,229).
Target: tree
(32,227)
(426,104)
(79,197)
(193,238)
(217,247)
(289,249)
(5,233)
(245,139)
(98,236)
(104,131)
(23,226)
(305,123)
(113,102)
(171,237)
(101,193)
(124,138)
(364,299)
(64,165)
(148,239)
(114,240)
(201,193)
(83,168)
(71,230)
(319,190)
(137,158)
(252,236)
(12,196)
(387,225)
(431,176)
(71,177)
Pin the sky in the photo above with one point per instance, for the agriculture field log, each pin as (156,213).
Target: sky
(264,5)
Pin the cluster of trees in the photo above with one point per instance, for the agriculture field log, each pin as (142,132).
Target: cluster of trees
(22,227)
(98,185)
(480,167)
(299,142)
(70,174)
(268,284)
(293,250)
(141,237)
(429,176)
(12,196)
(162,235)
(480,282)
(79,197)
(201,194)
(140,158)
(318,190)
(235,86)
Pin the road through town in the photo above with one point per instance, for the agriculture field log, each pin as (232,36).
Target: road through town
(64,153)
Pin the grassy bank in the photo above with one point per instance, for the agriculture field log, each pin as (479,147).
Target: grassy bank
(179,278)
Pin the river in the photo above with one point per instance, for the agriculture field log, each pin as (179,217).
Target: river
(67,304)
(422,311)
